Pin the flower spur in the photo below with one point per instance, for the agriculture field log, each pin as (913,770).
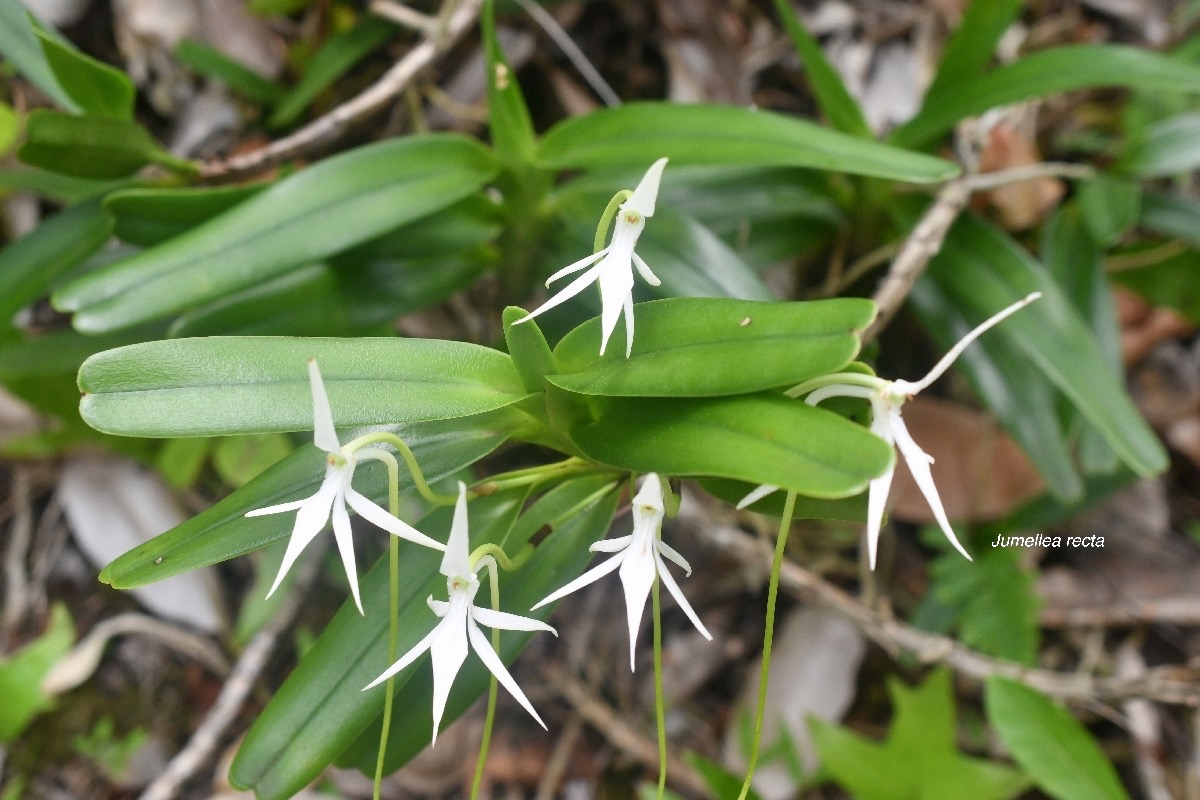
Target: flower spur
(613,270)
(639,557)
(887,398)
(333,495)
(447,642)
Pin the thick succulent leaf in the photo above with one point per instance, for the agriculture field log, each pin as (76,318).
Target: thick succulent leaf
(1053,71)
(225,385)
(693,347)
(760,438)
(636,134)
(30,265)
(148,216)
(89,147)
(321,709)
(322,210)
(223,531)
(19,45)
(98,88)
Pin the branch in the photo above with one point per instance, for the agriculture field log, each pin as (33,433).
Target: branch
(325,129)
(926,239)
(620,733)
(1174,685)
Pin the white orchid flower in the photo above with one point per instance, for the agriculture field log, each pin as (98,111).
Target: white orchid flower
(887,398)
(333,495)
(461,618)
(639,557)
(613,269)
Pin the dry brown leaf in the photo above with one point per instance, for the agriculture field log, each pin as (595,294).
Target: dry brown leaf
(1019,205)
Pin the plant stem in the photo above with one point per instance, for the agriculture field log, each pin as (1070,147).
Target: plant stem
(393,619)
(785,525)
(410,461)
(490,718)
(660,713)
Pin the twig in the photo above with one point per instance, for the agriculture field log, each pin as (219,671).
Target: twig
(1144,726)
(1165,685)
(571,50)
(229,702)
(16,578)
(403,15)
(619,732)
(1181,609)
(926,239)
(329,127)
(560,757)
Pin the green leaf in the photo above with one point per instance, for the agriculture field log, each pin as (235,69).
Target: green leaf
(149,216)
(10,128)
(971,46)
(62,189)
(19,45)
(833,99)
(1053,71)
(692,347)
(1013,388)
(1171,214)
(240,459)
(21,674)
(527,346)
(97,88)
(1174,282)
(1110,207)
(919,760)
(213,63)
(1049,744)
(325,209)
(981,270)
(321,709)
(88,147)
(337,55)
(30,265)
(852,509)
(636,134)
(223,531)
(179,461)
(509,125)
(1076,263)
(993,601)
(268,7)
(761,438)
(1166,147)
(226,385)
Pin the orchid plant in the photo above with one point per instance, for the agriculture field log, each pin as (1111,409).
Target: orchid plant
(202,331)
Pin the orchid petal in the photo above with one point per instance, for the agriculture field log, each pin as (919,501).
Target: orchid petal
(616,284)
(646,192)
(644,270)
(638,571)
(954,352)
(566,293)
(412,655)
(277,509)
(673,555)
(918,464)
(310,520)
(629,324)
(508,622)
(611,545)
(324,435)
(487,655)
(756,495)
(439,607)
(578,265)
(448,652)
(343,535)
(878,488)
(677,593)
(372,513)
(457,561)
(592,575)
